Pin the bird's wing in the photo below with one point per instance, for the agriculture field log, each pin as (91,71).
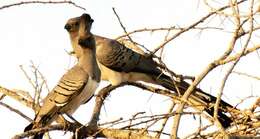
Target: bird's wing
(59,99)
(118,57)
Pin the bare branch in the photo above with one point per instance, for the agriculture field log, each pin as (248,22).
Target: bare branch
(164,29)
(198,79)
(216,107)
(101,96)
(191,26)
(16,111)
(111,122)
(234,57)
(119,20)
(88,132)
(17,97)
(165,121)
(41,2)
(27,76)
(247,75)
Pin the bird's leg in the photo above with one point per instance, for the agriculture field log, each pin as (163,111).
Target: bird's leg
(77,133)
(64,122)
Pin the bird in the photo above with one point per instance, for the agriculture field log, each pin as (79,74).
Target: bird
(120,64)
(76,86)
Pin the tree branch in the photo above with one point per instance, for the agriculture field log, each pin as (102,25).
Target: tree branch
(17,97)
(87,131)
(41,2)
(203,74)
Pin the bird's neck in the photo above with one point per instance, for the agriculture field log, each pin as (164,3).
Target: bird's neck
(76,48)
(88,62)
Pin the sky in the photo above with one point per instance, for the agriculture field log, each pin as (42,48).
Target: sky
(36,33)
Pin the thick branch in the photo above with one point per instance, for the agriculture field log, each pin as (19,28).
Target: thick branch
(101,96)
(87,131)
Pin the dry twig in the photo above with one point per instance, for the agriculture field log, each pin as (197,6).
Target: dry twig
(41,2)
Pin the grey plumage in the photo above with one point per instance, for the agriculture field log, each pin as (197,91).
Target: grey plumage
(118,57)
(120,64)
(76,86)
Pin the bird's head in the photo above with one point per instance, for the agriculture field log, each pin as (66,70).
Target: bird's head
(79,31)
(73,25)
(85,39)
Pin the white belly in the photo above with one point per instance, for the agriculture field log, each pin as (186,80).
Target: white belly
(116,78)
(112,76)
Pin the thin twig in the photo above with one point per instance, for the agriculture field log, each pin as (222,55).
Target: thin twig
(246,74)
(197,132)
(165,121)
(41,2)
(17,97)
(233,64)
(27,76)
(119,20)
(203,74)
(16,111)
(191,26)
(111,122)
(164,29)
(44,81)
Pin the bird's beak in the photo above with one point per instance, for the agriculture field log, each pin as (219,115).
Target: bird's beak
(67,27)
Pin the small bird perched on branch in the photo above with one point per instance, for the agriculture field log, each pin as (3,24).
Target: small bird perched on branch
(120,64)
(77,86)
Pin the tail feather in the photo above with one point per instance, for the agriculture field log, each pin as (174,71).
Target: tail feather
(30,127)
(200,97)
(222,117)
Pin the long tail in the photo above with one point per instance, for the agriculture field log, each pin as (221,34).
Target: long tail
(30,127)
(198,98)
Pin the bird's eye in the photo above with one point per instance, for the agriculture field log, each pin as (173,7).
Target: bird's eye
(77,24)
